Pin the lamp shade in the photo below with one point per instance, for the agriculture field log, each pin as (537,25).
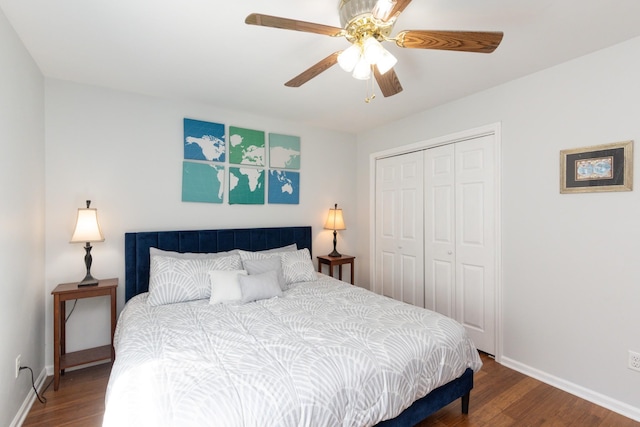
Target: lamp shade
(335,221)
(349,58)
(373,50)
(87,227)
(362,70)
(386,62)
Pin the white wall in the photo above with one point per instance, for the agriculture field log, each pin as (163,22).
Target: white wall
(21,220)
(124,152)
(571,275)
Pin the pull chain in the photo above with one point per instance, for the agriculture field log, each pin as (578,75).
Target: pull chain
(369,95)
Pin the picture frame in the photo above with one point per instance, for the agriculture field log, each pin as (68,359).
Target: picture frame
(599,168)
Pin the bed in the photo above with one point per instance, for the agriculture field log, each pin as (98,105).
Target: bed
(319,352)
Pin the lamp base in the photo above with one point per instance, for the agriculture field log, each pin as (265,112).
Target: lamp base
(88,281)
(335,253)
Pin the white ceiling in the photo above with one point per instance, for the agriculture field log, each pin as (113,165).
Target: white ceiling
(201,50)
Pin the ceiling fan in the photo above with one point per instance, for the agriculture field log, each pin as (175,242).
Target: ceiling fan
(367,23)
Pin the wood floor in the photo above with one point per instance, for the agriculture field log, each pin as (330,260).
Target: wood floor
(501,397)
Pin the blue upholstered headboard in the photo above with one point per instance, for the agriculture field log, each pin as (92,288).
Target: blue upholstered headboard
(136,247)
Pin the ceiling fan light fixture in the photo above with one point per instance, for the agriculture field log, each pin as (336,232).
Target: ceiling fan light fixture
(349,57)
(386,62)
(371,22)
(362,70)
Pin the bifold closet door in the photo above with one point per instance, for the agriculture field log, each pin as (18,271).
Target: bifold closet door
(460,235)
(399,249)
(440,230)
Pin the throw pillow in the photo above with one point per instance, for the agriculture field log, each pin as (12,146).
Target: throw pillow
(259,286)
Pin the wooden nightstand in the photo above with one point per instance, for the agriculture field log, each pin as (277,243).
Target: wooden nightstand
(71,291)
(332,261)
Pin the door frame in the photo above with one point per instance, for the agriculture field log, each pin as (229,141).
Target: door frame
(491,129)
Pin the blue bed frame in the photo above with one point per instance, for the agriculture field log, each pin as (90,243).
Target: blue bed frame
(255,239)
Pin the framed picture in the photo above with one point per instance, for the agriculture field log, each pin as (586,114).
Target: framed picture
(607,167)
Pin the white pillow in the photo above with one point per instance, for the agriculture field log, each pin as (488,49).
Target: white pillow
(297,266)
(225,286)
(259,286)
(173,280)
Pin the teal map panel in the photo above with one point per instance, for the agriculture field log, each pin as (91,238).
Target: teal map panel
(204,141)
(202,182)
(246,147)
(246,186)
(284,187)
(284,151)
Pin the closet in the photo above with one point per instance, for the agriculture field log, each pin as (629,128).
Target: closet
(435,232)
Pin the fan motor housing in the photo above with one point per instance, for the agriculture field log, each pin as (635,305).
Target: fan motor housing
(349,9)
(361,27)
(357,19)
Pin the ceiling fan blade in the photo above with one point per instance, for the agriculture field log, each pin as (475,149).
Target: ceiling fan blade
(388,82)
(314,70)
(466,41)
(292,24)
(397,9)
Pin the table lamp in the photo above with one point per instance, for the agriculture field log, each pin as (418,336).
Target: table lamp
(335,222)
(87,230)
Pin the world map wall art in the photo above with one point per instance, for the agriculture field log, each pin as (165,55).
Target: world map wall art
(254,171)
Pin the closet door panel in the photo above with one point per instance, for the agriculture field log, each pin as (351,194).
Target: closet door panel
(475,240)
(412,291)
(386,214)
(400,228)
(471,230)
(472,287)
(387,274)
(439,238)
(443,282)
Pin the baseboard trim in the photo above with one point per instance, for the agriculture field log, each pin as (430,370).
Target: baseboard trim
(577,390)
(28,401)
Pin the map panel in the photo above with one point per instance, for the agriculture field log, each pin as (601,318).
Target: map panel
(246,146)
(246,186)
(202,182)
(284,187)
(204,141)
(284,151)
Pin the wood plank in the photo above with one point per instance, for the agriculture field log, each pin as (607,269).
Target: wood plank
(78,402)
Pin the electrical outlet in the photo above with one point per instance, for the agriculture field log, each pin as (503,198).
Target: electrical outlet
(18,363)
(634,360)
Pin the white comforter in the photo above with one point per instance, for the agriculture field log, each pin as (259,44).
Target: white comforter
(324,354)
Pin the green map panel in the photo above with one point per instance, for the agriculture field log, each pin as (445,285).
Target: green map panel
(246,147)
(246,186)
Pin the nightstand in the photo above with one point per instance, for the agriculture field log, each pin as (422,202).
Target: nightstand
(71,291)
(332,261)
